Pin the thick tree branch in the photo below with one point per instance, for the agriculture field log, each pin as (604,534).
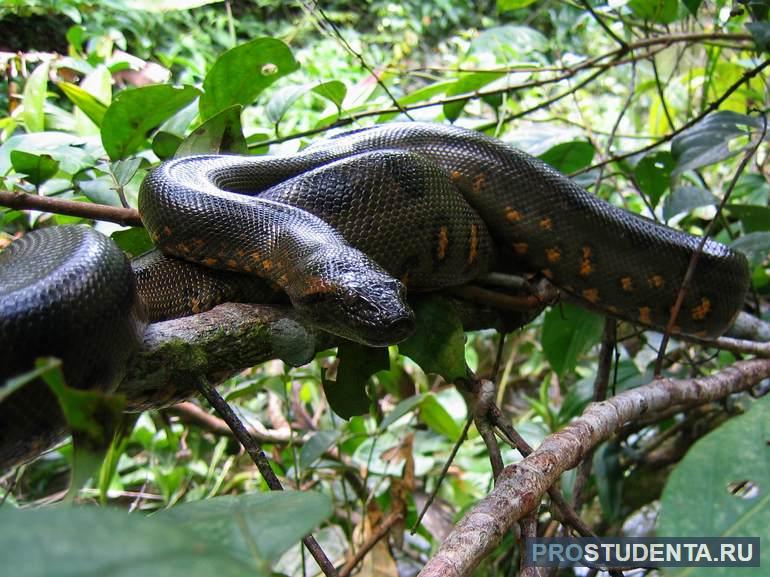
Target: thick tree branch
(521,486)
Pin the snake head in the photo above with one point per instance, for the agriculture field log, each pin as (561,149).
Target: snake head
(367,306)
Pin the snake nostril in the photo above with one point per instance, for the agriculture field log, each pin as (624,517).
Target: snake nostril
(401,327)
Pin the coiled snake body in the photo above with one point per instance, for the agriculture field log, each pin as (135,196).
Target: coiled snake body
(343,227)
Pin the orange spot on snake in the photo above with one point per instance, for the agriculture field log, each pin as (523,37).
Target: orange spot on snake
(644,315)
(586,266)
(613,309)
(591,295)
(656,281)
(702,310)
(232,263)
(473,241)
(546,224)
(282,280)
(267,264)
(627,283)
(553,254)
(520,247)
(198,243)
(209,261)
(512,215)
(195,305)
(167,231)
(443,243)
(183,248)
(478,182)
(456,176)
(547,273)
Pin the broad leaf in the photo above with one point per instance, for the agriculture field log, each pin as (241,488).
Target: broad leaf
(712,140)
(508,5)
(35,92)
(438,419)
(283,99)
(242,73)
(660,11)
(728,470)
(90,105)
(754,218)
(755,245)
(222,133)
(568,332)
(316,446)
(37,167)
(438,343)
(135,112)
(134,240)
(467,83)
(347,394)
(653,174)
(569,157)
(760,31)
(685,199)
(263,523)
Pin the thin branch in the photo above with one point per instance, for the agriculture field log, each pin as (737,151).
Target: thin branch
(696,255)
(521,486)
(622,43)
(25,201)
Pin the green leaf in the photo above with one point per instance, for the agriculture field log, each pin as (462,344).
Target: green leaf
(760,31)
(91,541)
(93,418)
(508,5)
(693,5)
(653,174)
(465,84)
(135,112)
(265,523)
(661,11)
(347,395)
(437,418)
(165,144)
(90,105)
(712,140)
(438,343)
(720,488)
(685,199)
(222,133)
(167,5)
(283,99)
(37,167)
(134,240)
(124,170)
(568,332)
(423,94)
(609,480)
(755,245)
(568,157)
(401,409)
(753,218)
(42,368)
(316,446)
(242,73)
(35,92)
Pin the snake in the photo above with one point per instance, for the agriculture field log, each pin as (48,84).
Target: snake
(345,228)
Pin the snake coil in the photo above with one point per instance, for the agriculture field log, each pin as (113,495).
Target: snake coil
(343,228)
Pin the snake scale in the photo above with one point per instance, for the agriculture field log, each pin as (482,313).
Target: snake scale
(344,228)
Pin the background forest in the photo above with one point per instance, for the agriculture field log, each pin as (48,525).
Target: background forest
(658,106)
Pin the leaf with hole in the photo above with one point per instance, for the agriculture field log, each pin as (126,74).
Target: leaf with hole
(729,471)
(241,74)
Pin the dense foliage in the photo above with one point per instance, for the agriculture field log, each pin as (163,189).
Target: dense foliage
(651,104)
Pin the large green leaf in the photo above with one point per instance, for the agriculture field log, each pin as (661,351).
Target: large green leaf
(653,174)
(222,133)
(568,332)
(283,99)
(36,167)
(721,488)
(90,105)
(467,83)
(712,140)
(88,541)
(438,343)
(661,11)
(263,523)
(35,92)
(135,112)
(754,218)
(508,5)
(347,394)
(242,73)
(569,156)
(686,198)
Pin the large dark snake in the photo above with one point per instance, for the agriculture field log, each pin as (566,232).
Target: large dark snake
(342,227)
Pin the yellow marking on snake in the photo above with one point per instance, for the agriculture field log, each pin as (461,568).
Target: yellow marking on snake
(456,176)
(520,247)
(586,266)
(644,315)
(553,254)
(267,264)
(546,224)
(701,311)
(656,281)
(195,305)
(478,182)
(591,295)
(473,241)
(443,243)
(232,263)
(512,215)
(627,283)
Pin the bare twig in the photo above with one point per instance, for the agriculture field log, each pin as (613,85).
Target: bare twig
(25,201)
